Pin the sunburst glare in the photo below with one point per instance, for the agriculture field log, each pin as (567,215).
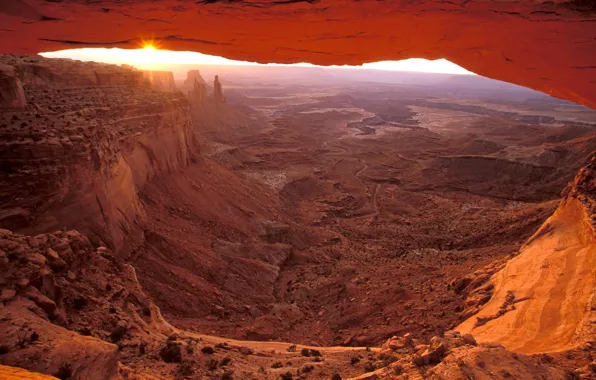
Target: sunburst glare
(150,56)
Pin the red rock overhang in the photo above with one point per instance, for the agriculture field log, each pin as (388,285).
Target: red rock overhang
(546,45)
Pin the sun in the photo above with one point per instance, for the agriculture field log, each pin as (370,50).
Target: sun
(149,44)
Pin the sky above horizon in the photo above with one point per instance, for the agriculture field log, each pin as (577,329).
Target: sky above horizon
(145,58)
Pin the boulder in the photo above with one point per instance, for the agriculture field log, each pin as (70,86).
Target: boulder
(7,295)
(433,354)
(11,88)
(36,258)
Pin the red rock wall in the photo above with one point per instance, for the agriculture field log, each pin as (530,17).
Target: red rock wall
(11,89)
(546,45)
(85,152)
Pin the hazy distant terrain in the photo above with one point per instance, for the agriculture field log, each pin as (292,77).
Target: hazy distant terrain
(380,174)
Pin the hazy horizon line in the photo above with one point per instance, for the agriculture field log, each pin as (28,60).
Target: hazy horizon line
(152,57)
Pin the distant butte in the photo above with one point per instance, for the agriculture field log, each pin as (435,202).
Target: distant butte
(218,91)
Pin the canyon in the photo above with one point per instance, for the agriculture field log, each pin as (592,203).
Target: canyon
(372,226)
(326,226)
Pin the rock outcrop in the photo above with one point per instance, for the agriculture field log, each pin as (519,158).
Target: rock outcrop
(160,80)
(191,77)
(454,356)
(70,304)
(198,92)
(195,87)
(217,91)
(544,299)
(11,88)
(80,157)
(15,373)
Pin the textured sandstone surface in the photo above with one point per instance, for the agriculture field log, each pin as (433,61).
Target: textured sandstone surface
(14,373)
(544,298)
(546,45)
(70,304)
(11,89)
(78,312)
(160,80)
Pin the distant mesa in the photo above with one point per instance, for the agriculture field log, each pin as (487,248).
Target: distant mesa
(129,67)
(191,77)
(160,80)
(131,76)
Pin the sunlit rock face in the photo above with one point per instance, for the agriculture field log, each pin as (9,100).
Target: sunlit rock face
(160,80)
(90,138)
(546,45)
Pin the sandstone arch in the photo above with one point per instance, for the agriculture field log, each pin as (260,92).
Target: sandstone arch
(546,45)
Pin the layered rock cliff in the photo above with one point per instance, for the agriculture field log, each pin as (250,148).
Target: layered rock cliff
(81,152)
(160,80)
(544,299)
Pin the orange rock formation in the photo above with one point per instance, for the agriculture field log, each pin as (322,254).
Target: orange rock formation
(548,45)
(544,298)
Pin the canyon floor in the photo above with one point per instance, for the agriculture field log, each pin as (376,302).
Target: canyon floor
(372,205)
(383,199)
(315,227)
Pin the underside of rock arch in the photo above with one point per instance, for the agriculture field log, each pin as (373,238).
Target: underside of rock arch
(549,46)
